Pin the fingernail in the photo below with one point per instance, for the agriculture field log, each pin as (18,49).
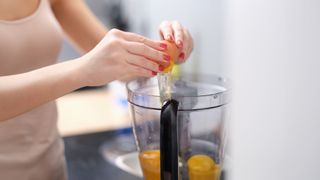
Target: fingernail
(166,57)
(180,44)
(163,45)
(169,37)
(182,56)
(161,68)
(154,73)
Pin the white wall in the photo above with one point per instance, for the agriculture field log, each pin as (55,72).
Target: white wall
(274,49)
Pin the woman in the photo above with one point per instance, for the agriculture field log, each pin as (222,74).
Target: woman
(30,80)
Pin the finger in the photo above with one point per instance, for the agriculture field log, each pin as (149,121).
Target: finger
(141,39)
(161,35)
(147,52)
(136,71)
(181,58)
(166,31)
(145,63)
(187,48)
(189,40)
(183,54)
(178,33)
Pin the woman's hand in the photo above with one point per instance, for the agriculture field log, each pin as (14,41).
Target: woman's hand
(121,56)
(174,31)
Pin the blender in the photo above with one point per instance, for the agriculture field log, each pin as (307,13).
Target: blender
(184,137)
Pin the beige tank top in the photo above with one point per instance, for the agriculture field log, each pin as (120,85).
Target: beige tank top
(30,145)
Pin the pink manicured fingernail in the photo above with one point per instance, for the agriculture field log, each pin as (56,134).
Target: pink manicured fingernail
(163,45)
(180,44)
(169,37)
(166,57)
(182,56)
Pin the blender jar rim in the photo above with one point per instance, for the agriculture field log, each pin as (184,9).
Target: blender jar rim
(204,100)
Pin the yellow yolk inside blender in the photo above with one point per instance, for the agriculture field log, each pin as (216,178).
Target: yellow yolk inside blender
(202,167)
(150,164)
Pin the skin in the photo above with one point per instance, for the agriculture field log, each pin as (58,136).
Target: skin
(175,32)
(108,55)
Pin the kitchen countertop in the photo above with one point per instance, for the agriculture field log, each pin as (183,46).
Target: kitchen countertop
(85,160)
(91,110)
(89,118)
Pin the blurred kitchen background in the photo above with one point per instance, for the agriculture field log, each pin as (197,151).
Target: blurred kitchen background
(269,49)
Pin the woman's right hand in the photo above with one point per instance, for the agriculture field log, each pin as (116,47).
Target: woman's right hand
(122,55)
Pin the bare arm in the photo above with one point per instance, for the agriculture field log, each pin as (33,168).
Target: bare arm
(81,26)
(23,92)
(120,55)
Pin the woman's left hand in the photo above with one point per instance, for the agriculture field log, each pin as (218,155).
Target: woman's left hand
(175,32)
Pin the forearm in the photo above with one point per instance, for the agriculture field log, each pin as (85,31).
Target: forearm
(120,55)
(23,92)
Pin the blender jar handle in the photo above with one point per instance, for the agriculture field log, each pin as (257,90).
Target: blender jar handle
(169,140)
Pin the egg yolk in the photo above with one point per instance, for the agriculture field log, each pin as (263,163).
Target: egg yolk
(202,167)
(173,51)
(150,164)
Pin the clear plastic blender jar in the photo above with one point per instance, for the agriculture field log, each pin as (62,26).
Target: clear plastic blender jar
(185,136)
